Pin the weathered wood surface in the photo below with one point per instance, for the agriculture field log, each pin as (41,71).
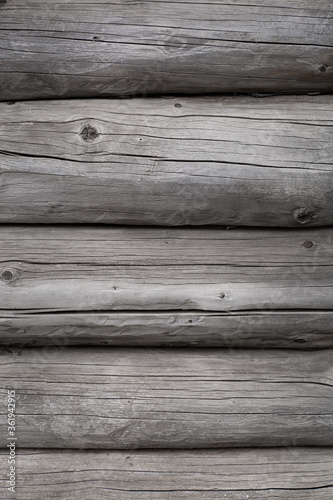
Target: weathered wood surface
(83,49)
(184,161)
(67,268)
(168,398)
(260,474)
(270,329)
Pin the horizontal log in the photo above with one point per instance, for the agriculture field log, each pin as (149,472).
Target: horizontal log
(254,474)
(83,49)
(270,329)
(72,268)
(168,398)
(185,161)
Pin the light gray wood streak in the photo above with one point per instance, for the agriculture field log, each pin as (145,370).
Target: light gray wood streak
(168,398)
(83,49)
(296,330)
(48,269)
(261,474)
(216,160)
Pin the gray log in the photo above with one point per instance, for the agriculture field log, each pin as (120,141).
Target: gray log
(252,474)
(69,269)
(270,329)
(168,398)
(217,160)
(83,49)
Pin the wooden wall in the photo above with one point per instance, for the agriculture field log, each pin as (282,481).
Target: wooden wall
(166,275)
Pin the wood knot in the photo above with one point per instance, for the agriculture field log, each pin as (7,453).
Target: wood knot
(89,133)
(304,215)
(222,295)
(178,105)
(322,68)
(308,244)
(7,275)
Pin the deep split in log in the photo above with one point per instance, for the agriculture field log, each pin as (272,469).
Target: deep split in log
(180,161)
(84,49)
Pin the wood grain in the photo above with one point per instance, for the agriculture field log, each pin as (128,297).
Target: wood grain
(182,161)
(168,398)
(265,329)
(84,49)
(233,474)
(69,269)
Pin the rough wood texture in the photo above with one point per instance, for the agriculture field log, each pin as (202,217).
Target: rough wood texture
(261,474)
(83,49)
(311,330)
(217,160)
(69,269)
(168,398)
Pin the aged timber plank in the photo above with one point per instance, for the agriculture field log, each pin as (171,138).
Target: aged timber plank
(168,398)
(265,329)
(70,268)
(252,474)
(83,49)
(182,161)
